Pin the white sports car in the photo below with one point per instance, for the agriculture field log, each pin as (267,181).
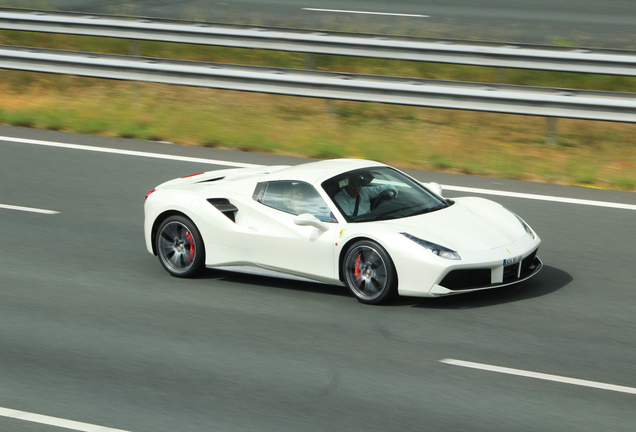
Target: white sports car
(349,222)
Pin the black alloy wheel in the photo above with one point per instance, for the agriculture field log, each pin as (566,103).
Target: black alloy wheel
(369,273)
(180,247)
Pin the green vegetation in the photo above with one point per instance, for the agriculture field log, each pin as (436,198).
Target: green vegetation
(599,154)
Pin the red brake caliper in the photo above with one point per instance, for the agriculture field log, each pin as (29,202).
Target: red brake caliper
(191,240)
(356,269)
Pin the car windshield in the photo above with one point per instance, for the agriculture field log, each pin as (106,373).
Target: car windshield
(380,193)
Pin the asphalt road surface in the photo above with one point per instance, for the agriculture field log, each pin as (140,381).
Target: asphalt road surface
(608,23)
(93,330)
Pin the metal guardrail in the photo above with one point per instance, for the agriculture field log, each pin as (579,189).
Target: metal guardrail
(550,58)
(579,104)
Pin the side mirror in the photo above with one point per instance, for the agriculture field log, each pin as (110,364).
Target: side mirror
(307,219)
(436,188)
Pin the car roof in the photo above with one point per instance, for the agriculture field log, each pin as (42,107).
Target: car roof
(313,172)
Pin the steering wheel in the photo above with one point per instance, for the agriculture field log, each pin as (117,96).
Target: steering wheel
(384,196)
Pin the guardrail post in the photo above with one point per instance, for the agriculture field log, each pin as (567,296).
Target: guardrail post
(501,75)
(309,61)
(332,110)
(551,131)
(133,47)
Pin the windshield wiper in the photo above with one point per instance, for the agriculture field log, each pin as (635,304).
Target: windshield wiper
(389,215)
(431,209)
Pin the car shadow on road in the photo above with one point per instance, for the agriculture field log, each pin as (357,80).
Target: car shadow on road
(549,280)
(274,281)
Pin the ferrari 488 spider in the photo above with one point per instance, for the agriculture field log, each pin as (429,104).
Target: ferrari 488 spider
(349,222)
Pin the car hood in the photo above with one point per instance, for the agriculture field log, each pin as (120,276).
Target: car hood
(468,225)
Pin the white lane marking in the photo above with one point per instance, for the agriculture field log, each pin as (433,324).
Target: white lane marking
(27,209)
(246,165)
(541,376)
(366,12)
(541,197)
(126,152)
(55,421)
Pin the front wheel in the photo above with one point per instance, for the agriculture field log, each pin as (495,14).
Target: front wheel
(180,247)
(369,273)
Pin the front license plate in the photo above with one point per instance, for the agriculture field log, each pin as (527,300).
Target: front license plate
(511,261)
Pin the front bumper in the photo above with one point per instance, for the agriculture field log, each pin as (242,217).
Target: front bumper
(475,279)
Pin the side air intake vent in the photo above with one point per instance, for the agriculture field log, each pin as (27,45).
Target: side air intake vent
(224,206)
(212,179)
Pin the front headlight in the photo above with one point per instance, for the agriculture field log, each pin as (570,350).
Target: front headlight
(440,251)
(524,225)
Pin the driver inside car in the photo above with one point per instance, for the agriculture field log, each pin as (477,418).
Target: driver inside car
(355,196)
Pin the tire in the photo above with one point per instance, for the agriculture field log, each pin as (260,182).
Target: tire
(180,247)
(369,273)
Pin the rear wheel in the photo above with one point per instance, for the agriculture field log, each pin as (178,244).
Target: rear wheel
(369,273)
(180,247)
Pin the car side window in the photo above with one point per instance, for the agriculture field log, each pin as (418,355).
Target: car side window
(293,197)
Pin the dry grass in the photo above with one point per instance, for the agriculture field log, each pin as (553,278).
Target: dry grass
(598,154)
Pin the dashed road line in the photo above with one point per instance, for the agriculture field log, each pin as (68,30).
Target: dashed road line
(27,209)
(54,421)
(367,12)
(541,376)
